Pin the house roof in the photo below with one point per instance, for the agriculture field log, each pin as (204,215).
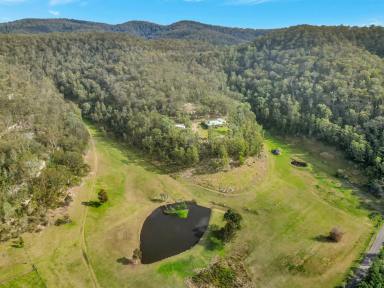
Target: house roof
(214,122)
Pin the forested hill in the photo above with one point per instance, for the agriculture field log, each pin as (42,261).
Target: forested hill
(325,82)
(179,30)
(41,143)
(306,36)
(152,95)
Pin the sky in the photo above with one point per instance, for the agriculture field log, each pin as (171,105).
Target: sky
(233,13)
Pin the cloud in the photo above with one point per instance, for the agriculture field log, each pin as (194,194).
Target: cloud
(59,2)
(54,13)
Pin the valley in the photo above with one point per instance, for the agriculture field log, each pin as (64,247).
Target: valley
(280,242)
(145,155)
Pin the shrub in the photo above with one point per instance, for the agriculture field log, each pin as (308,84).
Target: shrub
(217,275)
(336,234)
(232,225)
(19,243)
(102,196)
(233,217)
(214,239)
(62,221)
(179,209)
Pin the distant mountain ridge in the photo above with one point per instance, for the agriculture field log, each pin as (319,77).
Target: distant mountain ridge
(180,30)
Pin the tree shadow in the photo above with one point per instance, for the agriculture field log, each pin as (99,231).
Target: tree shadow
(124,261)
(94,204)
(132,154)
(323,238)
(16,245)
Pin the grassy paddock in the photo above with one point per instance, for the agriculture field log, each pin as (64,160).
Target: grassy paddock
(287,212)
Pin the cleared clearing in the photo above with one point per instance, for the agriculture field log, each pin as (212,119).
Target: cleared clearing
(286,212)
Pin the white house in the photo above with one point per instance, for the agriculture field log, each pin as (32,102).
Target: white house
(215,122)
(181,126)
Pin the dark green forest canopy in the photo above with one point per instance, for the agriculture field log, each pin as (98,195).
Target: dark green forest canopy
(325,82)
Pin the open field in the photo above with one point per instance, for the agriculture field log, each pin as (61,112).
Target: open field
(287,212)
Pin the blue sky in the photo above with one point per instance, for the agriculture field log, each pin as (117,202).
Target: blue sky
(237,13)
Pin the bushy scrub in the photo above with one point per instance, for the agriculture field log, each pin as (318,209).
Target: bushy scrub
(42,140)
(217,275)
(180,210)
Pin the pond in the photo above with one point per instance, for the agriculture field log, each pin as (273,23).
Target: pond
(163,235)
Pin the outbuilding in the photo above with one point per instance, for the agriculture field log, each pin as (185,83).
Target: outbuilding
(276,152)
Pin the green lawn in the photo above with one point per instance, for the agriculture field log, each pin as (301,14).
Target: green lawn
(286,211)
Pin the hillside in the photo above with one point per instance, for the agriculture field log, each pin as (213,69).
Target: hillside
(142,92)
(323,82)
(317,91)
(179,30)
(41,146)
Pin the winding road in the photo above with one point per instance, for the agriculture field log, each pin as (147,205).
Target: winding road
(374,250)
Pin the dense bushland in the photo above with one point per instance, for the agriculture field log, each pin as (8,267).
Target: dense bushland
(140,90)
(41,143)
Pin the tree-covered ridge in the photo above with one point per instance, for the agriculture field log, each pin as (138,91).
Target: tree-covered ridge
(41,144)
(180,30)
(315,81)
(305,36)
(141,89)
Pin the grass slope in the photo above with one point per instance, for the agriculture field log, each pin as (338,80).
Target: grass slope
(286,213)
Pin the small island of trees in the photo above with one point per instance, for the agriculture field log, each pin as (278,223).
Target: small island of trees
(179,209)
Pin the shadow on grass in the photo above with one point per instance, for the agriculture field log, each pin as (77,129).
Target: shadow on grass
(323,238)
(15,245)
(94,204)
(131,154)
(124,261)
